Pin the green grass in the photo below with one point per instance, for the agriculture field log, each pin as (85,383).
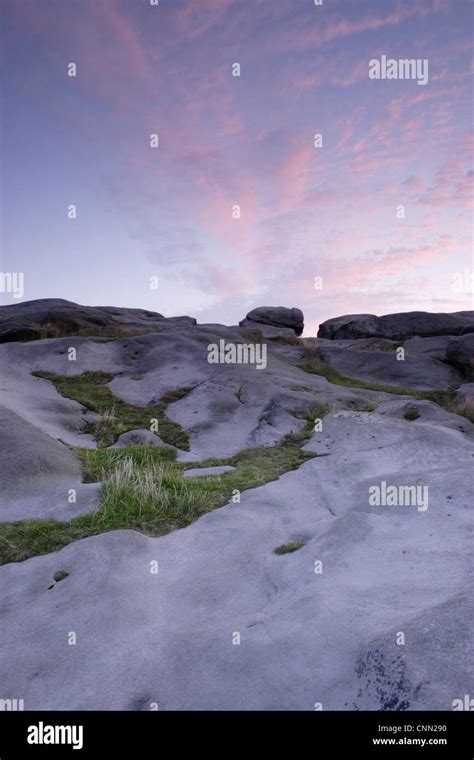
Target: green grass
(143,489)
(97,463)
(312,413)
(313,363)
(446,399)
(293,546)
(463,407)
(116,416)
(116,331)
(411,415)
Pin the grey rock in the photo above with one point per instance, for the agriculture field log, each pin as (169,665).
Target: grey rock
(202,472)
(278,316)
(428,414)
(37,474)
(382,367)
(267,331)
(434,347)
(460,353)
(138,437)
(13,331)
(305,638)
(466,392)
(396,326)
(56,317)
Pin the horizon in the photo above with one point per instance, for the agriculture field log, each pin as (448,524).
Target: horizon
(307,211)
(305,333)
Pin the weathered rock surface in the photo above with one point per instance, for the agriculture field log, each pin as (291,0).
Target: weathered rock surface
(138,437)
(54,317)
(277,316)
(420,372)
(204,472)
(267,331)
(396,326)
(37,473)
(466,392)
(460,353)
(305,636)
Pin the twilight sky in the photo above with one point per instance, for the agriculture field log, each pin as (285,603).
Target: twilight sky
(306,212)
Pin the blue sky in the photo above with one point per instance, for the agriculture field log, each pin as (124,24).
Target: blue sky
(306,212)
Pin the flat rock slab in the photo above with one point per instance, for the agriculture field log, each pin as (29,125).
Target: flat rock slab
(304,636)
(38,474)
(203,472)
(417,372)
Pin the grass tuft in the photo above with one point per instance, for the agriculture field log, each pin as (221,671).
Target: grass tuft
(116,416)
(313,413)
(463,407)
(143,489)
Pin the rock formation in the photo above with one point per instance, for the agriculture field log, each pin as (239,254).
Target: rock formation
(317,625)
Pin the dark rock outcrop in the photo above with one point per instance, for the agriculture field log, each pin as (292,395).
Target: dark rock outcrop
(276,316)
(12,330)
(460,353)
(397,326)
(56,317)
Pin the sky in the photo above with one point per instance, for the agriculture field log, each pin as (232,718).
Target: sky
(376,219)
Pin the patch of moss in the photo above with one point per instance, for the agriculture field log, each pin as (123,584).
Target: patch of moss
(117,416)
(60,575)
(289,548)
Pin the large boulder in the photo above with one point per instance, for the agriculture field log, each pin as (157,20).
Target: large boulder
(460,353)
(48,311)
(276,316)
(56,317)
(397,326)
(267,331)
